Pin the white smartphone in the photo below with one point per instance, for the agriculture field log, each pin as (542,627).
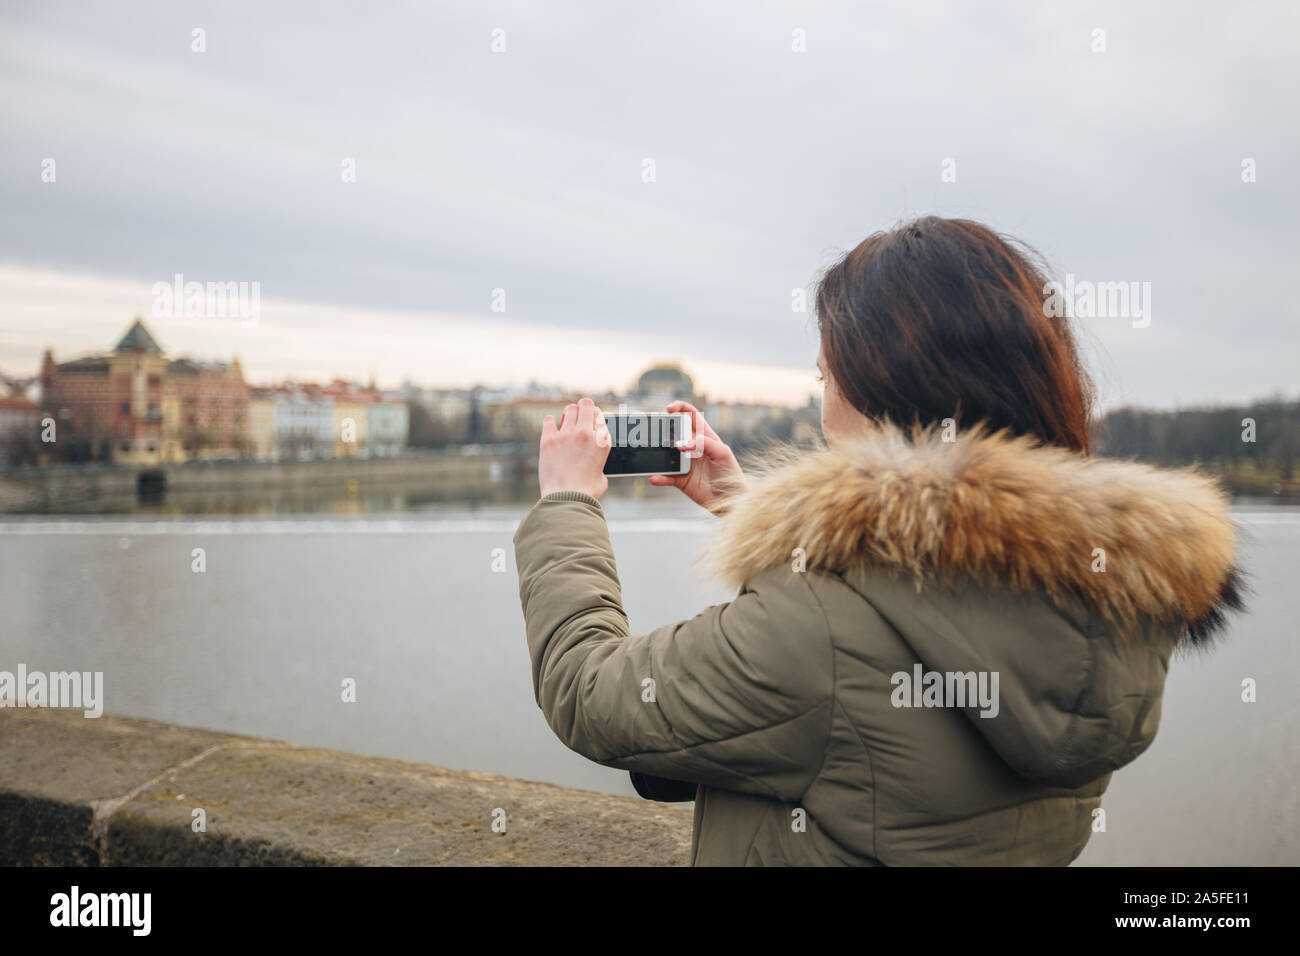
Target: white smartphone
(645,443)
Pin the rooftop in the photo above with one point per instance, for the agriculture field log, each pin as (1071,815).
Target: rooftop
(137,339)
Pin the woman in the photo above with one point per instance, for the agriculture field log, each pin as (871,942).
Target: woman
(951,626)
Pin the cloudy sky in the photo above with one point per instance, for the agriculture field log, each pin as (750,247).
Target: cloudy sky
(523,170)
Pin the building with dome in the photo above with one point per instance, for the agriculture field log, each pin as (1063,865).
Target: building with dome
(660,384)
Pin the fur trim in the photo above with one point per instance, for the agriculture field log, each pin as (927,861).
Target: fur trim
(1002,511)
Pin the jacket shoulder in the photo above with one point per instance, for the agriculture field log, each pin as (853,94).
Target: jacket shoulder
(779,624)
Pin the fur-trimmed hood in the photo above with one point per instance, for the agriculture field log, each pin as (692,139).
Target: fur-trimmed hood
(997,511)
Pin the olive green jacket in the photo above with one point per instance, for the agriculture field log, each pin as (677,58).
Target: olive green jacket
(938,653)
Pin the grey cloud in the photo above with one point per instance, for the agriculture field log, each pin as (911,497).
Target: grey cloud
(522,170)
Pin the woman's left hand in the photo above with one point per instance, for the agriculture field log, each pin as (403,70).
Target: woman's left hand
(572,455)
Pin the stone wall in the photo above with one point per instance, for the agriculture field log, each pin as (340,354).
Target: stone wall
(115,791)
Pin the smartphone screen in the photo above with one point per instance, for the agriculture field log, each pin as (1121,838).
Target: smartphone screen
(643,443)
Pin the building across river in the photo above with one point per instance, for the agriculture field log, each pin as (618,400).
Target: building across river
(136,406)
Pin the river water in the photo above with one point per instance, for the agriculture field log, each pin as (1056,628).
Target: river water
(412,607)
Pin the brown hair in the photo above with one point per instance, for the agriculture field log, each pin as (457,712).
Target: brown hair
(941,318)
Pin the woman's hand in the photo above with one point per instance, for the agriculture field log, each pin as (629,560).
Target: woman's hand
(715,474)
(572,456)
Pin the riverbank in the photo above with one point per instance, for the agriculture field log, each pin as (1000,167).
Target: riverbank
(468,474)
(199,487)
(116,791)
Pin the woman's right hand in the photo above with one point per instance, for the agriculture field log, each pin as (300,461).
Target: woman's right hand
(715,474)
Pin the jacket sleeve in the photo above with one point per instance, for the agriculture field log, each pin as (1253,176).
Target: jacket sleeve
(738,697)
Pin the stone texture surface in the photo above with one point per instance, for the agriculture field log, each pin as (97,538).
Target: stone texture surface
(56,764)
(118,791)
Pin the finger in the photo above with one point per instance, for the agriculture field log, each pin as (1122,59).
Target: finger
(570,415)
(548,426)
(670,481)
(678,407)
(698,425)
(706,447)
(714,448)
(586,413)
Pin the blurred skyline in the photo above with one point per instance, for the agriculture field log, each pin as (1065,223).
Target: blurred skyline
(523,171)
